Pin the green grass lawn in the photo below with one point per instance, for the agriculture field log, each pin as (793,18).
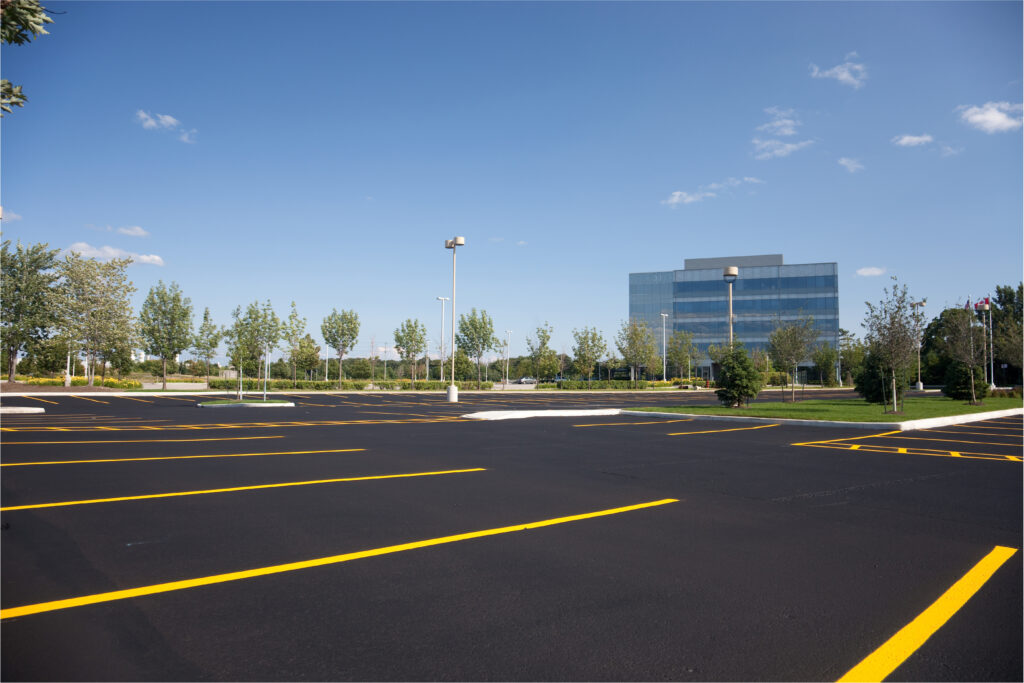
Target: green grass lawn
(850,410)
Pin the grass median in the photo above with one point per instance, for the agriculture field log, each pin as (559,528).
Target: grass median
(849,410)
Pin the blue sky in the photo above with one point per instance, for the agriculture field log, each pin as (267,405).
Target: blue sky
(321,152)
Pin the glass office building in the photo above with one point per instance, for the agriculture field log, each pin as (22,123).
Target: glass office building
(765,294)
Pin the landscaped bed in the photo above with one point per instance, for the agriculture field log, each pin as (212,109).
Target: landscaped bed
(849,410)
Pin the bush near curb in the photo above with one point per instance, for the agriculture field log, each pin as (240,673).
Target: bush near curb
(346,385)
(81,382)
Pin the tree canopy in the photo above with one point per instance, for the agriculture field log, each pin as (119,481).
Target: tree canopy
(165,323)
(25,313)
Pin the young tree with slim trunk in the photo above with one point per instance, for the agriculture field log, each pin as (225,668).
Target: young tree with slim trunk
(293,331)
(590,346)
(307,356)
(165,323)
(892,335)
(476,337)
(824,358)
(635,342)
(410,342)
(543,358)
(681,349)
(739,380)
(25,314)
(340,331)
(965,343)
(790,343)
(206,341)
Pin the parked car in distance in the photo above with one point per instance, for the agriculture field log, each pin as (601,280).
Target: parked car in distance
(526,380)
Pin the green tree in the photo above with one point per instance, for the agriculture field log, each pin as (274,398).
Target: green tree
(543,359)
(25,311)
(340,332)
(965,344)
(824,358)
(252,337)
(1007,327)
(206,341)
(20,22)
(292,331)
(681,349)
(307,355)
(788,344)
(165,323)
(851,354)
(410,342)
(589,347)
(738,379)
(963,385)
(892,335)
(635,342)
(476,337)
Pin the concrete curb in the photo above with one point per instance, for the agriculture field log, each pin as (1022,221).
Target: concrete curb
(927,423)
(250,404)
(20,410)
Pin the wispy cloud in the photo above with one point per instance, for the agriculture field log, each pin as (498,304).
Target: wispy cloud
(849,73)
(105,253)
(773,149)
(851,165)
(950,151)
(870,271)
(10,216)
(992,117)
(912,140)
(134,231)
(705,191)
(783,122)
(521,243)
(165,122)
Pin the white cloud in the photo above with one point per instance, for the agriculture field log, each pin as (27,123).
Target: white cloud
(771,149)
(950,151)
(851,165)
(848,73)
(756,181)
(188,136)
(10,216)
(165,122)
(870,271)
(705,191)
(992,117)
(521,243)
(912,140)
(783,122)
(134,231)
(105,253)
(677,198)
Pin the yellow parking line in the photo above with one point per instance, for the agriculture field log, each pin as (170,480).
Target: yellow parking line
(228,490)
(845,438)
(70,443)
(715,431)
(34,398)
(896,650)
(129,398)
(318,562)
(90,399)
(176,457)
(982,443)
(616,424)
(177,398)
(947,431)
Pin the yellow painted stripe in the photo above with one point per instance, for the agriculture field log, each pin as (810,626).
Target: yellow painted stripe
(177,398)
(318,562)
(175,457)
(231,490)
(897,649)
(1013,458)
(845,438)
(901,450)
(716,431)
(616,424)
(983,443)
(225,438)
(90,399)
(34,398)
(130,398)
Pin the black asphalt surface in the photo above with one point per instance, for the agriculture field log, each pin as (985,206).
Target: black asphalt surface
(778,562)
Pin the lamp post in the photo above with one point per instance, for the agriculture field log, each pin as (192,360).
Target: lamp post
(991,351)
(508,345)
(442,299)
(730,274)
(664,358)
(917,306)
(453,391)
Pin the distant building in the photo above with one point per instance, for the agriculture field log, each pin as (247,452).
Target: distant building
(765,294)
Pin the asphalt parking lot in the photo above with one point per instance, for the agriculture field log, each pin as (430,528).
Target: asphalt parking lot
(383,537)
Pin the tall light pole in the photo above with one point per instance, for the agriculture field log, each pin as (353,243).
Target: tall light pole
(917,306)
(664,357)
(730,274)
(991,350)
(453,391)
(508,345)
(442,299)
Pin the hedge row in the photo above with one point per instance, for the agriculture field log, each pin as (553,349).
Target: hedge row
(82,381)
(346,385)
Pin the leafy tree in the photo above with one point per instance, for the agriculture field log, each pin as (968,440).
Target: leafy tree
(25,313)
(206,341)
(789,343)
(292,331)
(851,354)
(590,346)
(892,334)
(964,385)
(340,332)
(636,344)
(824,358)
(165,323)
(874,382)
(965,344)
(739,380)
(20,22)
(463,365)
(610,363)
(307,355)
(410,342)
(1007,324)
(252,336)
(681,349)
(476,337)
(543,359)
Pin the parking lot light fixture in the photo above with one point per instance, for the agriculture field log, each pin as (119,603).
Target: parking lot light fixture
(664,358)
(917,306)
(453,391)
(442,299)
(730,274)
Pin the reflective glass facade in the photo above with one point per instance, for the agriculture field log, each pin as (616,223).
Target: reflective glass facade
(697,300)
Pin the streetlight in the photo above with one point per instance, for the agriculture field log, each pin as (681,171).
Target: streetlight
(730,274)
(991,350)
(453,391)
(508,344)
(664,358)
(442,299)
(917,305)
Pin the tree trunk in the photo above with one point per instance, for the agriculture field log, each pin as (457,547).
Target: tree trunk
(164,361)
(207,374)
(12,357)
(974,399)
(341,371)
